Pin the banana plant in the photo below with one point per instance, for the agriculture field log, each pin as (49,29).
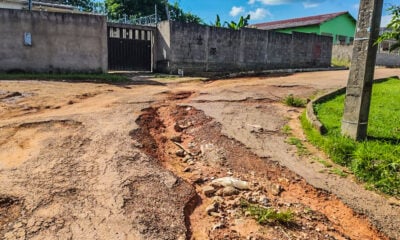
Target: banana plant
(243,22)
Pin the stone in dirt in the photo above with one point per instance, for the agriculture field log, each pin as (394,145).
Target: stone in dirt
(177,138)
(230,182)
(218,226)
(212,208)
(180,153)
(209,190)
(276,189)
(187,159)
(264,201)
(218,199)
(229,191)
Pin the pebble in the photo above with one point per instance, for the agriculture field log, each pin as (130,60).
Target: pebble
(188,169)
(212,208)
(180,153)
(177,139)
(218,199)
(18,225)
(229,191)
(264,201)
(276,189)
(218,226)
(215,214)
(209,191)
(187,159)
(198,180)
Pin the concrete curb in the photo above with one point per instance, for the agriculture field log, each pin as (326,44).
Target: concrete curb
(312,117)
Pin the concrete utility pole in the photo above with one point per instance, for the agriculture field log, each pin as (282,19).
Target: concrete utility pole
(359,85)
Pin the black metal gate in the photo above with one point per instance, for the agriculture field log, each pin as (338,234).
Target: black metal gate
(129,47)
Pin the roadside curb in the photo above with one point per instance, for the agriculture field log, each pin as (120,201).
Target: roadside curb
(310,113)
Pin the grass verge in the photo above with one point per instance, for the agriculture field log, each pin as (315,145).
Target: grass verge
(301,149)
(105,77)
(375,161)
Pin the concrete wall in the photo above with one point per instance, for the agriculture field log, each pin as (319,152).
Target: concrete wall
(385,59)
(342,52)
(61,42)
(197,48)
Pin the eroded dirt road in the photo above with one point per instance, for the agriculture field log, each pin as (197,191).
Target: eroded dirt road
(98,161)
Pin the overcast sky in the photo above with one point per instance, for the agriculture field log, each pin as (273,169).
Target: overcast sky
(272,10)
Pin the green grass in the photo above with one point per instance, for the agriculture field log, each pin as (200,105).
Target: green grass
(293,101)
(324,162)
(340,63)
(301,149)
(377,160)
(338,172)
(106,78)
(286,130)
(268,215)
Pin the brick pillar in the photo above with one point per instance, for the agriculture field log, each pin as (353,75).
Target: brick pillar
(359,85)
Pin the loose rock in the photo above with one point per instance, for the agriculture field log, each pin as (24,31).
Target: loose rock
(187,159)
(180,153)
(276,189)
(218,226)
(212,208)
(264,201)
(229,191)
(177,138)
(230,182)
(209,191)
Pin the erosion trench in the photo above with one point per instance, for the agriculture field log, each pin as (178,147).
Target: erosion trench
(191,144)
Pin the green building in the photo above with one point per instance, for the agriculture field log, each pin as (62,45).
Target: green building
(340,26)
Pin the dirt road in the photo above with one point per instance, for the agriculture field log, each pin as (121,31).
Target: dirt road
(136,161)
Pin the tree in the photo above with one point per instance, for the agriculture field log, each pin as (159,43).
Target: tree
(394,29)
(134,8)
(177,14)
(140,8)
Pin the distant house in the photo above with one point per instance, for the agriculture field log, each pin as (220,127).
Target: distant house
(340,26)
(38,6)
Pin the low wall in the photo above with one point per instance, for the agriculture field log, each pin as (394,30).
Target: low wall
(60,42)
(341,52)
(197,48)
(388,60)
